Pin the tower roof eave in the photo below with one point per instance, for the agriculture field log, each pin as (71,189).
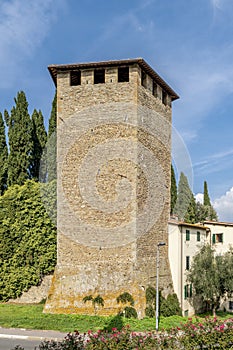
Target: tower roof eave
(55,68)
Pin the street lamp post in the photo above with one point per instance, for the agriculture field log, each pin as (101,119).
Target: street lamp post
(160,244)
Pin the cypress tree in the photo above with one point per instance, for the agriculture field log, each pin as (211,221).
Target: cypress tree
(191,213)
(39,138)
(3,156)
(184,198)
(52,143)
(173,191)
(53,117)
(20,141)
(206,199)
(210,213)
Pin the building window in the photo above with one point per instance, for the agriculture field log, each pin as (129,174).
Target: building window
(123,74)
(187,262)
(188,291)
(99,76)
(230,305)
(187,235)
(75,78)
(164,97)
(186,313)
(217,238)
(198,236)
(155,89)
(143,79)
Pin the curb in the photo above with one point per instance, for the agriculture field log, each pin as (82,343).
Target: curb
(24,334)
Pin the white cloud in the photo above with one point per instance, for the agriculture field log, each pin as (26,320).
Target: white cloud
(199,197)
(204,85)
(224,206)
(215,162)
(216,3)
(23,27)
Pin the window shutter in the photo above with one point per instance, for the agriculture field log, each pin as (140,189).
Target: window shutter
(191,290)
(185,291)
(213,239)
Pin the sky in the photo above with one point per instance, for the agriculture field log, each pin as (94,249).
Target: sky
(188,43)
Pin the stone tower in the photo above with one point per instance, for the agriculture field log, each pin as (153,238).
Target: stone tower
(113,190)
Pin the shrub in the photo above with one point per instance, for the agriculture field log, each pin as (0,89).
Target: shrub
(27,238)
(167,307)
(208,334)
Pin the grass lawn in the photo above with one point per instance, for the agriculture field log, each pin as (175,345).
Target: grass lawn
(32,317)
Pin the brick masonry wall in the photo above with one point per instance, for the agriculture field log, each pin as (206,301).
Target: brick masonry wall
(113,147)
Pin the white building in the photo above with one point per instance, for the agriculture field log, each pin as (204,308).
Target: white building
(184,241)
(221,235)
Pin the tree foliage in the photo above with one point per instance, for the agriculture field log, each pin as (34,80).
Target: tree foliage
(20,141)
(51,155)
(167,307)
(39,139)
(27,239)
(191,213)
(173,191)
(185,204)
(205,211)
(3,157)
(206,198)
(211,276)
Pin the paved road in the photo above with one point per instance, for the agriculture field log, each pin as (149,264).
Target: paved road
(9,344)
(28,339)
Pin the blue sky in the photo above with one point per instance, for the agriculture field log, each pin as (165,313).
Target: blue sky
(189,43)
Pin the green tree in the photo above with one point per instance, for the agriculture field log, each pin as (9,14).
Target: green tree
(39,138)
(167,307)
(205,211)
(191,213)
(3,157)
(173,191)
(209,209)
(184,204)
(52,143)
(20,141)
(211,276)
(200,212)
(206,199)
(27,239)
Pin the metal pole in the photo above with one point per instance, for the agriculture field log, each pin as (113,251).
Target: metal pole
(157,292)
(157,287)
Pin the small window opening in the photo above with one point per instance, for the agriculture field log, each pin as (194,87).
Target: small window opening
(164,97)
(187,262)
(217,238)
(187,235)
(155,89)
(123,74)
(198,236)
(75,78)
(230,305)
(99,76)
(143,79)
(188,291)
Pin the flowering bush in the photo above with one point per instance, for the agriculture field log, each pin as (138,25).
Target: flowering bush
(211,333)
